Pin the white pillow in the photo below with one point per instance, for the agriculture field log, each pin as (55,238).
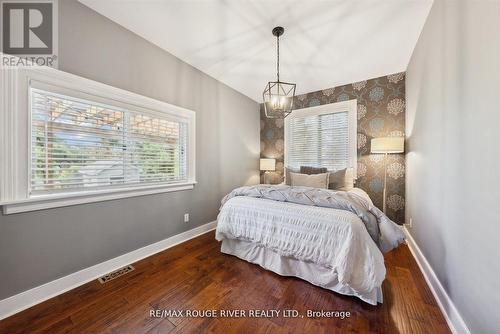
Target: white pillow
(313,180)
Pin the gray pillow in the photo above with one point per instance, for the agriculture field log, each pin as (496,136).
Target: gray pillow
(288,178)
(312,170)
(342,179)
(313,180)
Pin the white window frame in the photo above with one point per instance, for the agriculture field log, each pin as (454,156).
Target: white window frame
(350,106)
(15,137)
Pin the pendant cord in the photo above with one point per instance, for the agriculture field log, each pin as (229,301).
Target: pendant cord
(278,58)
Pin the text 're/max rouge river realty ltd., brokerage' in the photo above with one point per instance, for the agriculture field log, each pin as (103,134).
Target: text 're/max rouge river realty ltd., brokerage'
(252,313)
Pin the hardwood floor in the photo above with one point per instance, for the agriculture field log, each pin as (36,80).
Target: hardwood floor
(195,275)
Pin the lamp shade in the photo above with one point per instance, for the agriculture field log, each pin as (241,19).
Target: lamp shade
(267,164)
(388,145)
(278,99)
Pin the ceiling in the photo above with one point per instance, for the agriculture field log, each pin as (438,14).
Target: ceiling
(327,43)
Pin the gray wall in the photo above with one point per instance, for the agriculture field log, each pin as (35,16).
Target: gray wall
(453,162)
(38,247)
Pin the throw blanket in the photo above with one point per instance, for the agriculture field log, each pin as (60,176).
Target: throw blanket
(386,234)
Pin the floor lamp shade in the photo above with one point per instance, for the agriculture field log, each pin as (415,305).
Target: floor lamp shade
(388,145)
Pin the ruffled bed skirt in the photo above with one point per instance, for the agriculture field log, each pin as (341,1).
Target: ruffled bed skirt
(288,266)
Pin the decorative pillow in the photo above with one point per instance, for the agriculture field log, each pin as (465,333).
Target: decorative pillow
(342,179)
(314,180)
(288,178)
(312,170)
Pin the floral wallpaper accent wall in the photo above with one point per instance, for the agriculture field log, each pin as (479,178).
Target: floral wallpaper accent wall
(381,112)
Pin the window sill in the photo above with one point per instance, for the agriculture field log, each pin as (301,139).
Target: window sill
(42,202)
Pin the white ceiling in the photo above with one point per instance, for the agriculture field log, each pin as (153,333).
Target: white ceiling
(327,43)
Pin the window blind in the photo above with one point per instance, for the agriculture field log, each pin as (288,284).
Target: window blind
(79,144)
(319,141)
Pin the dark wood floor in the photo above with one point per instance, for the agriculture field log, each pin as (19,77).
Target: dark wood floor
(195,275)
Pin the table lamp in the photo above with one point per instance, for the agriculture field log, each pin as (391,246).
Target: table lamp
(267,165)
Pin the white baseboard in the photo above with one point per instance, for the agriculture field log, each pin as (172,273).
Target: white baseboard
(26,299)
(450,312)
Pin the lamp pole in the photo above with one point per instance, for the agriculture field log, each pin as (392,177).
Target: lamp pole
(385,183)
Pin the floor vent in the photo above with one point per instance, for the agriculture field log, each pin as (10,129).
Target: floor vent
(115,274)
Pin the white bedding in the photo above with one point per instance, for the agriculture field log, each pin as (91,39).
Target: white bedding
(336,240)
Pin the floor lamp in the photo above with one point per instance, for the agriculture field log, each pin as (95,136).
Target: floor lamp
(387,145)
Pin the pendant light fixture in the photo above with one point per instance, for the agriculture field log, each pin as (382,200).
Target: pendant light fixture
(278,96)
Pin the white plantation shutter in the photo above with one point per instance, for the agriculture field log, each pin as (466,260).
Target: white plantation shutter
(78,144)
(322,136)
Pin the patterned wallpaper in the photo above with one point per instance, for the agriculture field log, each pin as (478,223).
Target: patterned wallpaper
(381,112)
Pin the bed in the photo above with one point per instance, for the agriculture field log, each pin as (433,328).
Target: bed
(332,239)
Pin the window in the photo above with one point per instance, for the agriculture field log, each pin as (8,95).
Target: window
(77,144)
(322,136)
(70,140)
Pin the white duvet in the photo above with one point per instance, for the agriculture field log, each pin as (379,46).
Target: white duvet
(332,238)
